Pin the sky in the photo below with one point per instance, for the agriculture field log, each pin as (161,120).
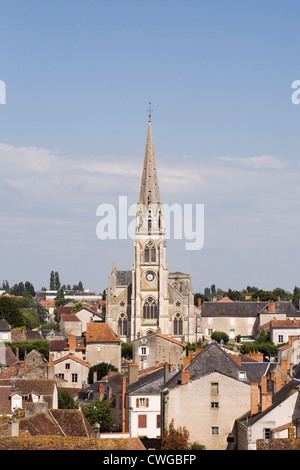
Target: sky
(79,75)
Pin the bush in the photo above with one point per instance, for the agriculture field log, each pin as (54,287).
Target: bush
(220,335)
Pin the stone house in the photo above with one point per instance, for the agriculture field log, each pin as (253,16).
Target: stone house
(70,323)
(72,371)
(5,331)
(290,352)
(242,318)
(16,392)
(157,348)
(207,396)
(102,345)
(278,417)
(87,315)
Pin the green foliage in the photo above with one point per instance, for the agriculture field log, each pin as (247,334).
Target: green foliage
(220,335)
(99,413)
(24,346)
(10,311)
(126,350)
(102,369)
(66,401)
(197,446)
(78,306)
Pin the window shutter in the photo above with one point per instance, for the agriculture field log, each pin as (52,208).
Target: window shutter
(137,403)
(147,402)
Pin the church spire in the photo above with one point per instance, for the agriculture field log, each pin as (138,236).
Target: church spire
(149,193)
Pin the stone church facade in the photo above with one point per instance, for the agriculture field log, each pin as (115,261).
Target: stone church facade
(148,298)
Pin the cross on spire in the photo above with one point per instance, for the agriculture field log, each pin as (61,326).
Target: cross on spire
(149,111)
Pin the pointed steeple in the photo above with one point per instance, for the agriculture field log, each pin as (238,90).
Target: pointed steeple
(149,193)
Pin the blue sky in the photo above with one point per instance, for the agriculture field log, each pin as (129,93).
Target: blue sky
(79,75)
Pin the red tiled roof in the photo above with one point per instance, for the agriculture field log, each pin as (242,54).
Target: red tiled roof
(73,358)
(69,317)
(100,332)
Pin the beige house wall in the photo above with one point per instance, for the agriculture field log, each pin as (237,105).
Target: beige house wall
(104,352)
(69,367)
(190,406)
(232,326)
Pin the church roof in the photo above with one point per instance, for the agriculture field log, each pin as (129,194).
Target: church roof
(149,192)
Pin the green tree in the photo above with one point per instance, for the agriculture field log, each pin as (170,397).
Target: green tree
(10,311)
(220,335)
(65,400)
(296,296)
(57,284)
(99,415)
(52,281)
(126,350)
(102,370)
(78,306)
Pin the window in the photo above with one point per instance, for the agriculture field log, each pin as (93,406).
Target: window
(214,404)
(177,325)
(142,402)
(143,351)
(122,325)
(215,430)
(74,378)
(280,338)
(150,253)
(142,421)
(267,433)
(150,308)
(67,366)
(214,388)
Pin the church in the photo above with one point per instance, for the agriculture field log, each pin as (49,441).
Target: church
(148,298)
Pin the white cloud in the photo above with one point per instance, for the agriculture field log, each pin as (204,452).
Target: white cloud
(262,161)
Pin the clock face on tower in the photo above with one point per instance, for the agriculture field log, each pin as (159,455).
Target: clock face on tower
(150,276)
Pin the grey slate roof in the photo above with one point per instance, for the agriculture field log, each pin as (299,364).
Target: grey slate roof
(211,359)
(244,309)
(150,384)
(124,278)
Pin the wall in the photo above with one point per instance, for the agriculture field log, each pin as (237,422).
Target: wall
(190,406)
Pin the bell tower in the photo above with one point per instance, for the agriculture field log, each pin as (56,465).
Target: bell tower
(149,301)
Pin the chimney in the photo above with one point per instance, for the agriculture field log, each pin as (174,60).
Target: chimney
(199,303)
(101,391)
(283,366)
(133,372)
(254,398)
(271,307)
(94,376)
(166,372)
(171,367)
(186,361)
(264,384)
(50,368)
(185,376)
(277,383)
(266,401)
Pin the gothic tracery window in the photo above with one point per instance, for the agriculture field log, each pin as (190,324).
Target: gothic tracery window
(177,325)
(150,309)
(150,253)
(122,325)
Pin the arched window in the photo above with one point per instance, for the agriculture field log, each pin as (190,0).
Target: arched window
(150,309)
(150,253)
(122,325)
(177,325)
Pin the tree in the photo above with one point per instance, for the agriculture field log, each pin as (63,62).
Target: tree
(99,415)
(219,336)
(102,370)
(52,281)
(80,287)
(175,439)
(296,296)
(57,284)
(78,306)
(10,311)
(60,298)
(65,400)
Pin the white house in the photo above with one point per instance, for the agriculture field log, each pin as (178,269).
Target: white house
(275,421)
(144,403)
